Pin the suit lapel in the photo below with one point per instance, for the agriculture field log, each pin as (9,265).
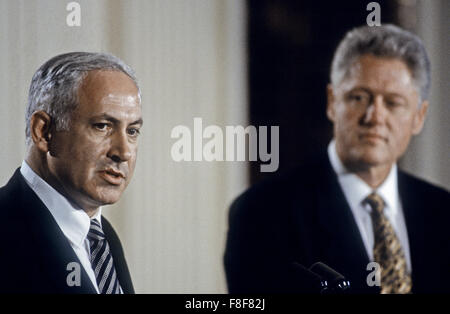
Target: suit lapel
(55,251)
(343,247)
(412,205)
(120,264)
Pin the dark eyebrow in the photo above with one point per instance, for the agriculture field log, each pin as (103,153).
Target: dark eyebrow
(107,117)
(139,121)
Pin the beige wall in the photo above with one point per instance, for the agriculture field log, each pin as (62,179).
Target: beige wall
(189,56)
(429,154)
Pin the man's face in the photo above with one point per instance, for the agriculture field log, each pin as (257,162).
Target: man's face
(375,111)
(94,161)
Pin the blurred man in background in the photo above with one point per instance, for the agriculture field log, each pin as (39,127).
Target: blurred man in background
(352,206)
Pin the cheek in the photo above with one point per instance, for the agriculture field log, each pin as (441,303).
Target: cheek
(401,137)
(401,129)
(132,165)
(346,120)
(84,157)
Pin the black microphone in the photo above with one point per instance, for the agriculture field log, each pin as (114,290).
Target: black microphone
(336,281)
(306,281)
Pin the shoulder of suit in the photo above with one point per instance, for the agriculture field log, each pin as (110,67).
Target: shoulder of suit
(280,188)
(421,186)
(11,195)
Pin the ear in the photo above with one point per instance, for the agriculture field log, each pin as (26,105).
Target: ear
(419,118)
(40,128)
(330,103)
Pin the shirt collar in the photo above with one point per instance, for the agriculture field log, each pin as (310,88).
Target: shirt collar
(388,190)
(356,190)
(72,220)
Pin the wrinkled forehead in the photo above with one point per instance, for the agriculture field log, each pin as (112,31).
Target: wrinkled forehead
(110,92)
(122,100)
(100,83)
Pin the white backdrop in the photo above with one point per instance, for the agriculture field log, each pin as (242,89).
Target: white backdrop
(189,58)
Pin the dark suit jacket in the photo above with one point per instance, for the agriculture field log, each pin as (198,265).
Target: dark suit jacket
(34,253)
(304,217)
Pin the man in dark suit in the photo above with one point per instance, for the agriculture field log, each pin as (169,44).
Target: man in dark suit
(82,124)
(351,208)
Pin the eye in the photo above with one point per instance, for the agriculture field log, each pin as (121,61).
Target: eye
(391,103)
(394,103)
(134,131)
(359,98)
(101,126)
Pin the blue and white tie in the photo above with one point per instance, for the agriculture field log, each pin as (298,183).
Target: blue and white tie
(102,260)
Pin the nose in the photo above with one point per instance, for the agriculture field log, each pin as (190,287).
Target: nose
(120,150)
(375,111)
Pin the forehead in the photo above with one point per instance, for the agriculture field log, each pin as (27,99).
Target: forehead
(380,73)
(110,92)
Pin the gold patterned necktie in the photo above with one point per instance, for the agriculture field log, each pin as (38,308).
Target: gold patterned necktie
(387,250)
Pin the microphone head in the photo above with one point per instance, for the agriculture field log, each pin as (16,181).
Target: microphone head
(336,281)
(306,281)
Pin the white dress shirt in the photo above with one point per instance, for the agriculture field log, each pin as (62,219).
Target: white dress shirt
(72,220)
(356,190)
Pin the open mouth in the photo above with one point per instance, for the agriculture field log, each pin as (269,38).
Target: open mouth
(112,176)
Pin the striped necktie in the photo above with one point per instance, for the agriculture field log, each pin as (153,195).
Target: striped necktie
(387,250)
(102,261)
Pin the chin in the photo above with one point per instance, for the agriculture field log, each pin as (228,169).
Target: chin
(360,158)
(108,197)
(374,158)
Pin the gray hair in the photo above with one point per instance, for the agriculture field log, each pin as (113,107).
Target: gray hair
(54,86)
(383,41)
